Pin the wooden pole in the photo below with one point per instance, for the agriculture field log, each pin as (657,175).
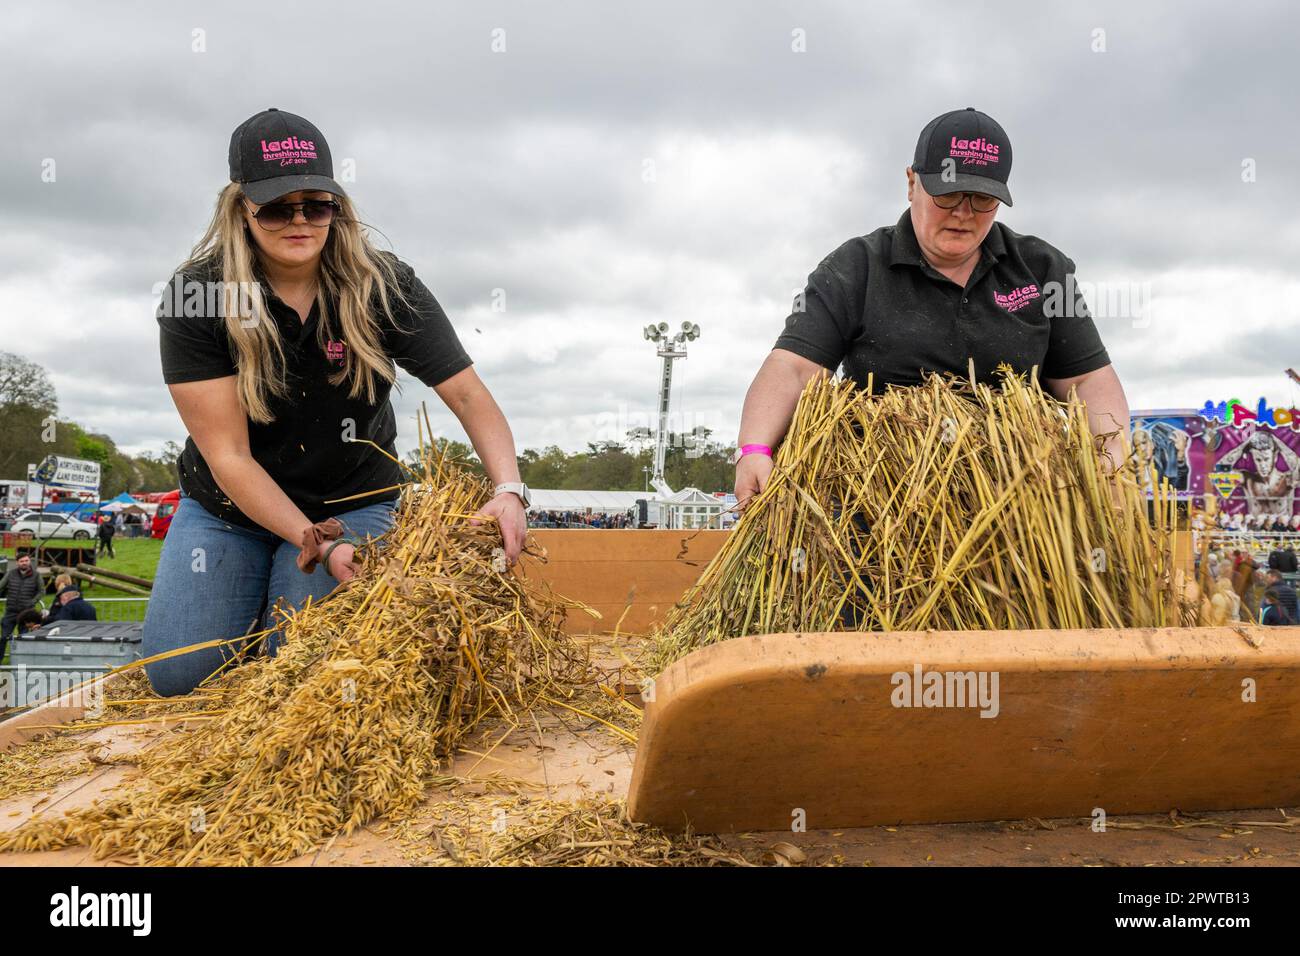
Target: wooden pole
(116,575)
(98,579)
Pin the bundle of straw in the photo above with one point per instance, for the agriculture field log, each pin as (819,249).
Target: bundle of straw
(373,687)
(947,506)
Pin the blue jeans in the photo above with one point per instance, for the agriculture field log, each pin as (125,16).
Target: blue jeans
(218,580)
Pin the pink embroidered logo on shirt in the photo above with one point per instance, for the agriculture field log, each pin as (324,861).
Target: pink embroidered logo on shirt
(973,152)
(289,152)
(1016,298)
(334,351)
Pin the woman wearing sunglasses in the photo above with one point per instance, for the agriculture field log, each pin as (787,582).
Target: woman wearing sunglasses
(280,338)
(944,288)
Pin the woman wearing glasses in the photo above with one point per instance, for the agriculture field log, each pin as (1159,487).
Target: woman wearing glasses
(279,340)
(944,287)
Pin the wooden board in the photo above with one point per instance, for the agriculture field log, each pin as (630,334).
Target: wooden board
(64,709)
(751,733)
(631,578)
(562,757)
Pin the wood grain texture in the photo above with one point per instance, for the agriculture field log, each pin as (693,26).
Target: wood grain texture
(742,734)
(642,572)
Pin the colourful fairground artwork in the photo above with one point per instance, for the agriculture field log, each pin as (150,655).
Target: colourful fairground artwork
(1246,458)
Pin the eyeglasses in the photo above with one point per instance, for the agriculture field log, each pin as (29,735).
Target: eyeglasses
(276,215)
(979,202)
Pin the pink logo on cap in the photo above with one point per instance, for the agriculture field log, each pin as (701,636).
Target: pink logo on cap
(973,152)
(289,152)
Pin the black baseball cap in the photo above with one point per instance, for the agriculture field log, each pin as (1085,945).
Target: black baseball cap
(275,153)
(979,151)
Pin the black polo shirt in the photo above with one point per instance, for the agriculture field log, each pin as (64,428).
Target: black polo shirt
(877,306)
(304,449)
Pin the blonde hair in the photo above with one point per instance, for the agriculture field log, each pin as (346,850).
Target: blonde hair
(352,273)
(63,581)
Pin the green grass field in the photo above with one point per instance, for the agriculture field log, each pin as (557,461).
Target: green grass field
(135,556)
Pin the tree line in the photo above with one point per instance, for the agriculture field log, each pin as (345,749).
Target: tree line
(31,429)
(692,461)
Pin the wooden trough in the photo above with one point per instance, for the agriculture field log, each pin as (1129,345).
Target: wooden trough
(760,727)
(851,730)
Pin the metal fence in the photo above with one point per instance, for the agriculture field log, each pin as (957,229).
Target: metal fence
(1256,542)
(120,609)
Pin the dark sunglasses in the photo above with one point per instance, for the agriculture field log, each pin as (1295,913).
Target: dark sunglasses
(978,201)
(276,215)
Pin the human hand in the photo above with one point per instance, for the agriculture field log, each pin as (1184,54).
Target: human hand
(752,475)
(508,511)
(341,563)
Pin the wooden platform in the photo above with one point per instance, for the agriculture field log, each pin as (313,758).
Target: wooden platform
(752,733)
(567,758)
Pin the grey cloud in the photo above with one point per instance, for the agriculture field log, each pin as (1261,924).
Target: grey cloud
(522,171)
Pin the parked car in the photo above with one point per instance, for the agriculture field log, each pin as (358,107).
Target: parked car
(162,518)
(53,526)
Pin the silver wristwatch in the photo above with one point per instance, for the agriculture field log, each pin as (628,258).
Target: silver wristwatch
(516,488)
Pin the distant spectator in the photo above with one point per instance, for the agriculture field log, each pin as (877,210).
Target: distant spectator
(30,620)
(1224,602)
(106,530)
(1243,581)
(1271,611)
(1285,592)
(69,605)
(21,586)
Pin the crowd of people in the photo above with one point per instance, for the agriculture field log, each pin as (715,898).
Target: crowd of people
(566,519)
(1271,524)
(22,586)
(1241,590)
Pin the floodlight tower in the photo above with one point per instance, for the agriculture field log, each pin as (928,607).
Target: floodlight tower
(669,348)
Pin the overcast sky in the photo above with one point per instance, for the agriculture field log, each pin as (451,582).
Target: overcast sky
(621,164)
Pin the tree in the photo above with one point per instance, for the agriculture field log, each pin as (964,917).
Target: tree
(461,452)
(157,472)
(692,460)
(545,469)
(28,406)
(25,383)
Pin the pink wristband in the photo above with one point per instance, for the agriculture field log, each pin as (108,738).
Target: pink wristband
(755,449)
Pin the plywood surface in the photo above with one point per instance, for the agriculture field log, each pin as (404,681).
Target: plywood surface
(632,577)
(567,758)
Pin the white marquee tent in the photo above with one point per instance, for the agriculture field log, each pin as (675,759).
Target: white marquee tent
(596,502)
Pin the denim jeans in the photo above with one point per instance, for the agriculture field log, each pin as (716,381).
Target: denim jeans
(218,580)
